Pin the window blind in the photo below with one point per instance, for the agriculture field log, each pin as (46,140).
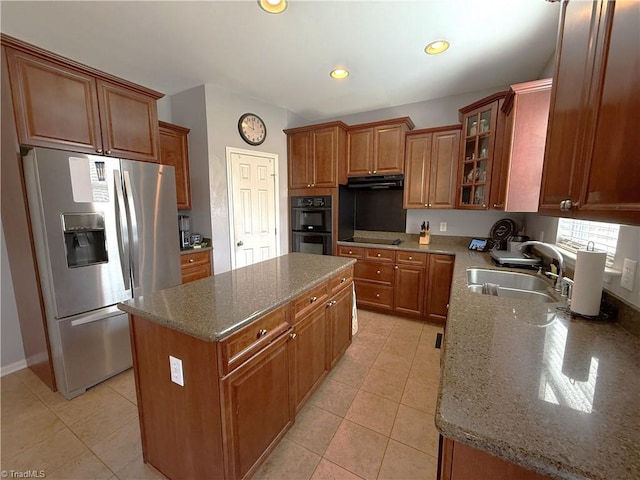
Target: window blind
(576,234)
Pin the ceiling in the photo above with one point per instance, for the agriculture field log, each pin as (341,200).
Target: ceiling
(285,59)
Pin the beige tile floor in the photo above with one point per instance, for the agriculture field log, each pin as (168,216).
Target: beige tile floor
(371,418)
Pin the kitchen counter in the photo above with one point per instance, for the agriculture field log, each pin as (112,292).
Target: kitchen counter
(212,308)
(524,382)
(195,250)
(439,243)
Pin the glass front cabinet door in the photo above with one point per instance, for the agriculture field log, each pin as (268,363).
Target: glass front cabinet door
(480,126)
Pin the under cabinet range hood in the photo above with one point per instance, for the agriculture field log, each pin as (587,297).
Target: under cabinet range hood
(377,182)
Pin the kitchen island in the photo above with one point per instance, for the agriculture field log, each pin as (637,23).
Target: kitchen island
(525,383)
(248,348)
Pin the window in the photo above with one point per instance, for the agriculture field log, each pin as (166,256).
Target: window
(576,234)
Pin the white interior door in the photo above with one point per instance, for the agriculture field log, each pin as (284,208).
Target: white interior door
(253,206)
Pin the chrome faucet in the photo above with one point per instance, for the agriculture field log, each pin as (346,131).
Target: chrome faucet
(556,253)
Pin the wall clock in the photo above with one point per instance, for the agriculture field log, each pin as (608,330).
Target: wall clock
(252,128)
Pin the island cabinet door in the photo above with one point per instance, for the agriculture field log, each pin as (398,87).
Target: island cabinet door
(258,407)
(309,354)
(339,315)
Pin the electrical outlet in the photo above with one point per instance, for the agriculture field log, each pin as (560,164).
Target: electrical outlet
(443,226)
(628,273)
(176,370)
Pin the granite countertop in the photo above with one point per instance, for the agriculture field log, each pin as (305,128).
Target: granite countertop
(526,383)
(439,243)
(212,308)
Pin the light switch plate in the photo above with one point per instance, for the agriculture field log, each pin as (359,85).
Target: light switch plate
(443,226)
(176,370)
(628,273)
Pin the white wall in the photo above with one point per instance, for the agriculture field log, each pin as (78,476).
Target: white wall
(460,223)
(164,109)
(212,114)
(12,354)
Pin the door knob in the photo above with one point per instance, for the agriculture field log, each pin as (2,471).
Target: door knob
(240,243)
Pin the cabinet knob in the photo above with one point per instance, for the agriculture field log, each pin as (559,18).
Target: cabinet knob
(308,185)
(378,272)
(331,303)
(313,184)
(396,267)
(191,260)
(410,257)
(426,204)
(293,336)
(108,152)
(98,150)
(484,205)
(379,255)
(429,204)
(567,205)
(377,295)
(262,332)
(447,306)
(343,279)
(369,172)
(350,252)
(313,299)
(375,171)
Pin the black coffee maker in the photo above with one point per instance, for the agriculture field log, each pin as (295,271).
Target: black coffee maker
(185,231)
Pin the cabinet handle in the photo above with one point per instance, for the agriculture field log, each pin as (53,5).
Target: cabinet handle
(375,171)
(313,184)
(378,272)
(567,205)
(396,267)
(108,152)
(410,257)
(379,255)
(484,205)
(377,295)
(313,299)
(447,306)
(262,332)
(350,252)
(308,185)
(426,204)
(98,150)
(331,303)
(343,279)
(191,260)
(293,336)
(429,204)
(369,172)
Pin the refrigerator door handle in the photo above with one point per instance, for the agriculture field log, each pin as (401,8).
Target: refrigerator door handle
(123,230)
(102,314)
(131,208)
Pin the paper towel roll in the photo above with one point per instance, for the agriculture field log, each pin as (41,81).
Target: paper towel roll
(588,280)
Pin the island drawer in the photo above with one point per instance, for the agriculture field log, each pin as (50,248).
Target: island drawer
(353,252)
(411,258)
(380,296)
(310,300)
(341,280)
(375,272)
(380,255)
(249,340)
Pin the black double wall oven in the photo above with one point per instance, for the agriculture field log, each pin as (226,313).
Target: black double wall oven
(311,225)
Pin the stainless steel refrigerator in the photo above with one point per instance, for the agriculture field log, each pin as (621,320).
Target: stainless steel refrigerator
(105,230)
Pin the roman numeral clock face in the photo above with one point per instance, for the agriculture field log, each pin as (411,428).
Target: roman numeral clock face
(252,129)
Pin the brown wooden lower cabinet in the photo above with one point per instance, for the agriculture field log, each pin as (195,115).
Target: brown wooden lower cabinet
(240,394)
(195,266)
(462,462)
(409,283)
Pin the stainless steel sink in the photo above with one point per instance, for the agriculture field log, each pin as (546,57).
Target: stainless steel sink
(509,284)
(522,281)
(531,295)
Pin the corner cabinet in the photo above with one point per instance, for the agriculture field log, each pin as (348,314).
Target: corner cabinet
(317,155)
(479,133)
(431,167)
(591,167)
(377,148)
(517,168)
(61,104)
(174,151)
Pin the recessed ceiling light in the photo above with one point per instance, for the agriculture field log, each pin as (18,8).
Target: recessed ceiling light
(273,6)
(436,47)
(339,73)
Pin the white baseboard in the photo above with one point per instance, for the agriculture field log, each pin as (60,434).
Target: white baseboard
(13,367)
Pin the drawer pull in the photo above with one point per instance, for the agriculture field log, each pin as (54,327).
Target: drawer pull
(377,295)
(396,267)
(262,332)
(378,272)
(331,303)
(313,299)
(191,260)
(379,255)
(343,279)
(293,336)
(410,258)
(350,252)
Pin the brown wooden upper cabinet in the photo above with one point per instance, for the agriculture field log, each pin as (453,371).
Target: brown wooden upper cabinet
(479,129)
(174,151)
(591,158)
(61,104)
(377,148)
(317,155)
(522,131)
(431,167)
